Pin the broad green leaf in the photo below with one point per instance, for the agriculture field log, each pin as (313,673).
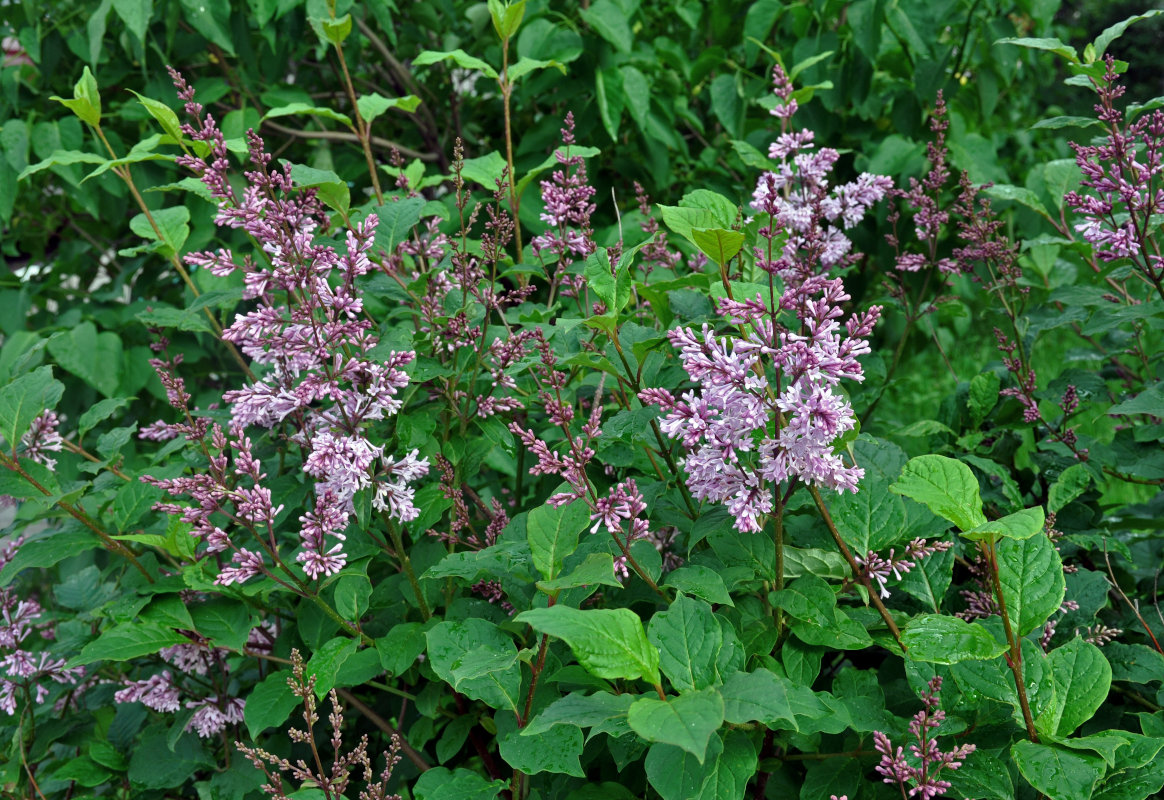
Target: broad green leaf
(168,610)
(942,639)
(1019,525)
(373,105)
(327,660)
(61,158)
(227,623)
(86,102)
(983,777)
(23,400)
(724,774)
(944,485)
(1054,45)
(870,520)
(608,642)
(1071,483)
(453,645)
(49,549)
(270,703)
(93,357)
(440,783)
(613,286)
(1057,772)
(458,57)
(351,596)
(689,641)
(687,721)
(132,502)
(128,640)
(1020,195)
(1065,121)
(683,220)
(331,189)
(1150,401)
(579,710)
(136,15)
(400,647)
(161,112)
(596,570)
(1134,663)
(702,582)
(983,396)
(1136,783)
(637,89)
(557,749)
(1082,680)
(211,18)
(101,411)
(506,17)
(485,170)
(173,228)
(610,22)
(552,533)
(1031,574)
(397,218)
(760,696)
(720,245)
(293,109)
(337,30)
(814,561)
(1114,32)
(808,598)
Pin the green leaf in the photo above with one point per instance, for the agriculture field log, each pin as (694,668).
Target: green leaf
(1054,45)
(373,105)
(93,357)
(162,113)
(292,109)
(1150,401)
(944,485)
(1020,195)
(173,225)
(983,777)
(553,534)
(132,502)
(136,16)
(331,189)
(608,642)
(870,520)
(23,400)
(227,623)
(687,721)
(1114,32)
(351,596)
(1058,773)
(327,660)
(610,22)
(397,218)
(485,170)
(808,598)
(61,158)
(458,57)
(579,710)
(614,290)
(400,647)
(611,100)
(506,17)
(101,411)
(47,550)
(983,396)
(689,641)
(270,703)
(86,102)
(337,30)
(128,640)
(760,696)
(720,245)
(210,18)
(1134,663)
(1019,525)
(1065,121)
(596,570)
(942,639)
(440,783)
(454,645)
(1031,574)
(557,749)
(1082,680)
(1071,483)
(702,582)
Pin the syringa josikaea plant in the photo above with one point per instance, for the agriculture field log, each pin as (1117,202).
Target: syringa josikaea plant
(310,339)
(768,408)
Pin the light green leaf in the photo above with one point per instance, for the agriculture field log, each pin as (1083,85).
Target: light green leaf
(458,57)
(942,639)
(1019,525)
(136,15)
(720,245)
(1031,574)
(454,645)
(944,485)
(61,158)
(93,357)
(173,225)
(687,721)
(579,710)
(596,570)
(610,22)
(608,642)
(373,105)
(162,113)
(552,533)
(227,623)
(1058,773)
(270,703)
(1082,680)
(702,582)
(332,190)
(293,109)
(689,641)
(23,400)
(1114,32)
(126,641)
(1054,45)
(1071,483)
(557,749)
(760,696)
(397,218)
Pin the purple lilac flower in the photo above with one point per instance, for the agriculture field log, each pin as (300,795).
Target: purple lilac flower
(772,372)
(41,438)
(157,692)
(920,772)
(214,714)
(879,568)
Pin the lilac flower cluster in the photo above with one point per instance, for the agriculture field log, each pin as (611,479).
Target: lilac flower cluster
(772,373)
(25,673)
(311,338)
(1123,176)
(567,199)
(879,568)
(922,779)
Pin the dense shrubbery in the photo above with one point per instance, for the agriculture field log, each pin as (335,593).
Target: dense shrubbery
(671,400)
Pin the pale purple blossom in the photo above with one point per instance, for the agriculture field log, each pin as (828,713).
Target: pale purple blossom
(214,714)
(920,772)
